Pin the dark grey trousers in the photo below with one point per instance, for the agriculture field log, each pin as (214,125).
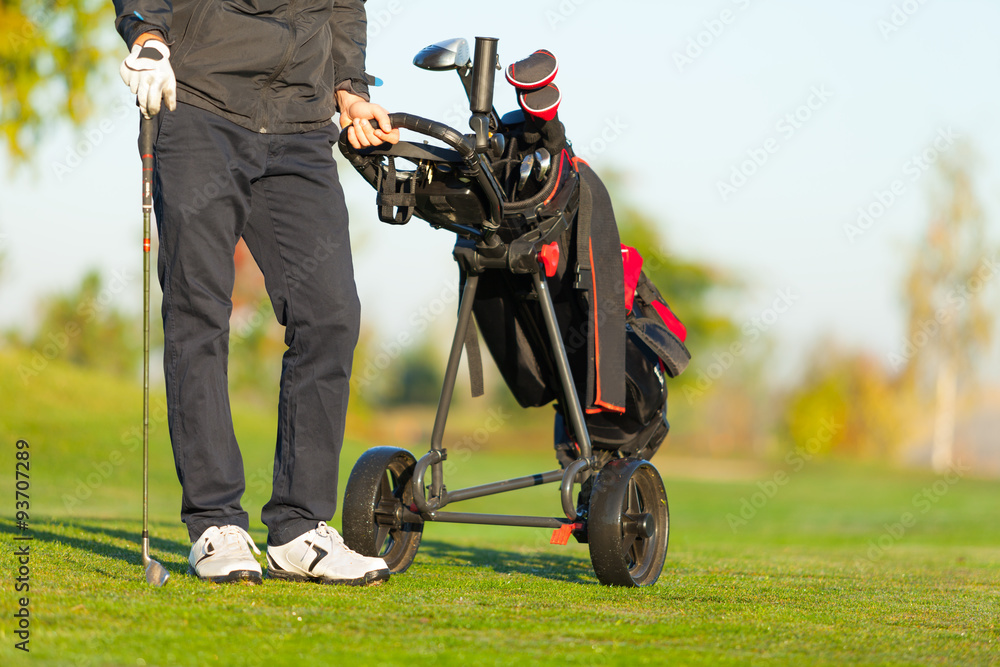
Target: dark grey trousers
(214,183)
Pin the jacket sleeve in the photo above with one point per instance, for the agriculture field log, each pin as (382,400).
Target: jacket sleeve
(349,25)
(134,17)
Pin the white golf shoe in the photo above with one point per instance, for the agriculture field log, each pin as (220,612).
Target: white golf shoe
(321,556)
(224,554)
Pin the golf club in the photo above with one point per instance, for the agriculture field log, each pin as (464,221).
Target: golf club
(156,574)
(527,165)
(454,54)
(446,55)
(544,161)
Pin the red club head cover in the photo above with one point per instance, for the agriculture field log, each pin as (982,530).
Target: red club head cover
(542,103)
(533,72)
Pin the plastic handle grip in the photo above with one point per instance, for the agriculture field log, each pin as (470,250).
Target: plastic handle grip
(448,135)
(483,72)
(439,131)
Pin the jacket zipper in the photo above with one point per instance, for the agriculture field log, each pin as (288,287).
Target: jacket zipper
(285,58)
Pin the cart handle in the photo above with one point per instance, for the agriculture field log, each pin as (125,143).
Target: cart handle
(448,135)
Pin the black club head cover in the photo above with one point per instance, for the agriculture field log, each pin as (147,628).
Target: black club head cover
(542,103)
(547,134)
(533,72)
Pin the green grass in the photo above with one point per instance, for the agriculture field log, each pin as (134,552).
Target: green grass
(794,585)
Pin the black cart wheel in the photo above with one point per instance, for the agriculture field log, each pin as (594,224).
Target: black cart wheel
(377,491)
(628,524)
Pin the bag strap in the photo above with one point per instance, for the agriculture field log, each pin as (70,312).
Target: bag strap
(584,280)
(647,291)
(475,359)
(471,343)
(391,195)
(600,279)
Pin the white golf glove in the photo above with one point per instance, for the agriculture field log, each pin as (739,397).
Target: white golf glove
(148,73)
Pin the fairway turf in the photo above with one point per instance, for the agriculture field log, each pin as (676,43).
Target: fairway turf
(818,574)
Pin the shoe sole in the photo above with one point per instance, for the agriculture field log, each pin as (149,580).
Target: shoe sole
(370,579)
(234,577)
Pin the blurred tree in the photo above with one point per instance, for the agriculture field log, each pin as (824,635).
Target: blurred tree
(949,321)
(3,254)
(256,343)
(256,340)
(848,405)
(49,52)
(688,286)
(391,373)
(418,374)
(82,327)
(722,404)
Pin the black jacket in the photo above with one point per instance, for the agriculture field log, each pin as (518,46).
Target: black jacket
(266,65)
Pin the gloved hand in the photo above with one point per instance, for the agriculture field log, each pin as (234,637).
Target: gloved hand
(148,73)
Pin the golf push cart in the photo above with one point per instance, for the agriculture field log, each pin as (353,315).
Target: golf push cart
(543,272)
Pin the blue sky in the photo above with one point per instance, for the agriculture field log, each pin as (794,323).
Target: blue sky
(829,102)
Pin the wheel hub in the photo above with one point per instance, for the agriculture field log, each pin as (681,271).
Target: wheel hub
(645,526)
(389,513)
(642,525)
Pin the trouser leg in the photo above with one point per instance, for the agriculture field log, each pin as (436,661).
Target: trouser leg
(298,234)
(204,167)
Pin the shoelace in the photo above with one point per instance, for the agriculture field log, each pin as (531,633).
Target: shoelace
(328,534)
(235,539)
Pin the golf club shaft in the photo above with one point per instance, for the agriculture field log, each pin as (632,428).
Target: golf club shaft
(146,129)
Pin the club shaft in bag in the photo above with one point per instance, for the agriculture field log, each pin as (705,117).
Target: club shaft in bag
(156,574)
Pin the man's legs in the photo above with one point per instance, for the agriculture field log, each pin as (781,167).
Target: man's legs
(216,182)
(298,234)
(204,167)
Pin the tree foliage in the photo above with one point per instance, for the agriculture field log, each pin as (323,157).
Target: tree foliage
(413,378)
(688,285)
(951,320)
(84,328)
(50,52)
(3,254)
(949,317)
(848,406)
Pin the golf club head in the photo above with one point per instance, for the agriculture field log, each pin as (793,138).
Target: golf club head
(446,55)
(527,165)
(156,574)
(544,162)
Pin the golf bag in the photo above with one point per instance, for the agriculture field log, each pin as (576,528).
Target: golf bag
(619,333)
